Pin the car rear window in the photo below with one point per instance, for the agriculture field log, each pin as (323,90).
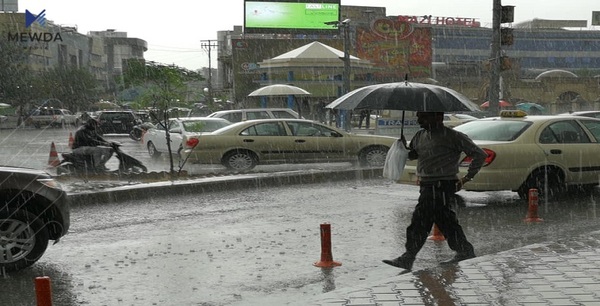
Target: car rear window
(204,126)
(496,130)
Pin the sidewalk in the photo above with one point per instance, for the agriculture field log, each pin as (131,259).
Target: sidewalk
(564,272)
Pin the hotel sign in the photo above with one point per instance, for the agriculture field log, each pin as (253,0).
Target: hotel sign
(443,21)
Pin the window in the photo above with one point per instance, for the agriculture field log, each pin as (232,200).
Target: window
(564,132)
(283,114)
(257,115)
(265,129)
(309,129)
(233,117)
(593,127)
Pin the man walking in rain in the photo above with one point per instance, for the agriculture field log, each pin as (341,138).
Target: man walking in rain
(437,149)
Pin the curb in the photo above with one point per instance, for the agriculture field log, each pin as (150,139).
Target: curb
(212,184)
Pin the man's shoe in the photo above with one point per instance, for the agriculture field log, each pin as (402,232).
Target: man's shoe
(400,262)
(459,257)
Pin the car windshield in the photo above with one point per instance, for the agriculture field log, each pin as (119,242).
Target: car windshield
(493,130)
(204,125)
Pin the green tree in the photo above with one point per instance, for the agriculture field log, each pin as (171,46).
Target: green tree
(16,79)
(165,88)
(76,88)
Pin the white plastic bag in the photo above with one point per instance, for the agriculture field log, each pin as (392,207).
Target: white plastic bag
(395,161)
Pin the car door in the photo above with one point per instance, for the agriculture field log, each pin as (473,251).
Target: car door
(567,144)
(315,142)
(158,138)
(270,141)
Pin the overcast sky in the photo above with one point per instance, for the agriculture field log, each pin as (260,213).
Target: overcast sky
(174,29)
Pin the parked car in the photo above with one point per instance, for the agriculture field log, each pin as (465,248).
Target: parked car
(180,129)
(116,122)
(454,120)
(243,145)
(592,114)
(48,116)
(238,115)
(527,152)
(33,210)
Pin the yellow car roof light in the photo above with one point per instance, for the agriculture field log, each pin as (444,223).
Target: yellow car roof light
(512,113)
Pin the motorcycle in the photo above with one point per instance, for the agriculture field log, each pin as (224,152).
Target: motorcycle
(84,164)
(139,129)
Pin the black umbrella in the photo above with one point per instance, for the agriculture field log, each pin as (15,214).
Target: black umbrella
(405,96)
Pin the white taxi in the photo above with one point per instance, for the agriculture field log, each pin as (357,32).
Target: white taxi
(550,153)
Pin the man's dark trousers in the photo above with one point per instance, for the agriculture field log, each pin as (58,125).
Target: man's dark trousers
(434,206)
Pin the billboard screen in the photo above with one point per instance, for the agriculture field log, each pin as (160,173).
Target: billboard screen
(287,16)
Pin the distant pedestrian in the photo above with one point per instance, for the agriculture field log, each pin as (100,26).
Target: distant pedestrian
(438,149)
(365,115)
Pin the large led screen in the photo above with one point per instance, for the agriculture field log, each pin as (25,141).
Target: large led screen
(290,16)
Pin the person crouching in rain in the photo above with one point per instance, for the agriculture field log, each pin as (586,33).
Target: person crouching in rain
(437,149)
(89,144)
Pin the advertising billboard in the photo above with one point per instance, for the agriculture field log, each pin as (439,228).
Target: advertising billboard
(291,16)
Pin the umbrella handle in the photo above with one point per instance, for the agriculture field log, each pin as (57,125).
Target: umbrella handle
(402,126)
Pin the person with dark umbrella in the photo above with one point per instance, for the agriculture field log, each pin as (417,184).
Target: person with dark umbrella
(438,149)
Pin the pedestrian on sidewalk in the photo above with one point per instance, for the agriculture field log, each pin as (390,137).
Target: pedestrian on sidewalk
(437,149)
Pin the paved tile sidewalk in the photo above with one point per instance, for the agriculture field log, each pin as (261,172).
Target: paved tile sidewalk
(565,272)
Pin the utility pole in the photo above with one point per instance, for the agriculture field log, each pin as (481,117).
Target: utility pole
(208,45)
(344,115)
(494,92)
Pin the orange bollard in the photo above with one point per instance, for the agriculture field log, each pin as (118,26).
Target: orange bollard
(326,256)
(43,291)
(532,212)
(53,160)
(437,234)
(71,140)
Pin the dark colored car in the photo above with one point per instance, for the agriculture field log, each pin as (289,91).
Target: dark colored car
(116,122)
(33,210)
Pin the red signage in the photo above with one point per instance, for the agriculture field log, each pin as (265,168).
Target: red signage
(445,21)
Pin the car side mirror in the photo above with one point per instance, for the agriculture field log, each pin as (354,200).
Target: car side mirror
(336,134)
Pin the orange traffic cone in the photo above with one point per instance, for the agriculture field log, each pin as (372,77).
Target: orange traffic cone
(437,234)
(71,140)
(532,212)
(326,257)
(53,160)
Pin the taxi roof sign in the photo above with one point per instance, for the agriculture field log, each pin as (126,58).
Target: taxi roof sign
(513,113)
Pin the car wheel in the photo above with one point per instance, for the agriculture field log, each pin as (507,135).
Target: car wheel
(240,160)
(23,239)
(538,179)
(152,150)
(373,156)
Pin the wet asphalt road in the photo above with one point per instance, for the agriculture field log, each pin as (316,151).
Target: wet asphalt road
(257,247)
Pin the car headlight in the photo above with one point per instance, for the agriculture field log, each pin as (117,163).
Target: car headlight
(52,183)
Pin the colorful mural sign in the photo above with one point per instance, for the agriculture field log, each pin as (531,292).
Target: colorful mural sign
(397,48)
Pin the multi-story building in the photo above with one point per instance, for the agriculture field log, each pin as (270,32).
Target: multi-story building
(549,62)
(52,45)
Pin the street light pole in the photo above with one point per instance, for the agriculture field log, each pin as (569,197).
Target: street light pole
(208,45)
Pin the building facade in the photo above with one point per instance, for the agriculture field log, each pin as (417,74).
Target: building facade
(450,51)
(52,46)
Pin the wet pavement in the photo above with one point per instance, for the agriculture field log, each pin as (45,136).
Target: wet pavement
(562,272)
